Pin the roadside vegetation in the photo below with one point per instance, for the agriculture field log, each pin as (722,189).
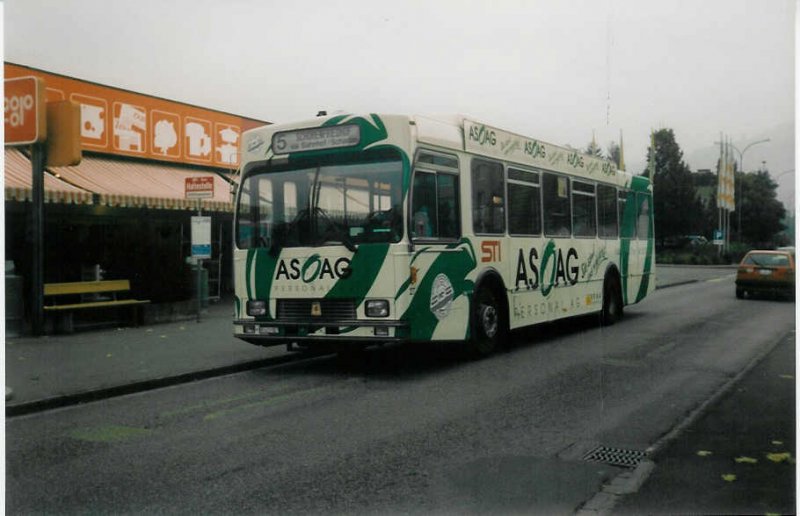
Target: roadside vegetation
(686,213)
(706,254)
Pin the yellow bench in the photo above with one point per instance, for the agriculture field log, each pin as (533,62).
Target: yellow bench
(80,290)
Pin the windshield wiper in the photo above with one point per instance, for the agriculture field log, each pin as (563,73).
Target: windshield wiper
(347,241)
(336,233)
(333,229)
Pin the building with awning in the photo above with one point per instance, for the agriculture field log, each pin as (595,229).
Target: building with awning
(18,182)
(113,182)
(148,166)
(132,184)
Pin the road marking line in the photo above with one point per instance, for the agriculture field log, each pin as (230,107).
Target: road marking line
(722,278)
(108,434)
(263,403)
(206,405)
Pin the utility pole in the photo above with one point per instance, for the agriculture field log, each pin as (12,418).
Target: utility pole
(38,160)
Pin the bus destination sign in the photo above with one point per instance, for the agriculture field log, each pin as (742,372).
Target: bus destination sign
(317,138)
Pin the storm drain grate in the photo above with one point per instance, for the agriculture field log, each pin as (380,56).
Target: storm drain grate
(615,456)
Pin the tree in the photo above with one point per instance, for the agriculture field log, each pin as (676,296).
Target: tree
(592,149)
(614,153)
(705,186)
(678,210)
(761,211)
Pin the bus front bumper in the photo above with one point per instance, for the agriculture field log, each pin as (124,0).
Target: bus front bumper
(269,333)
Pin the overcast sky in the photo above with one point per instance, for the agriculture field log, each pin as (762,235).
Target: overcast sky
(553,70)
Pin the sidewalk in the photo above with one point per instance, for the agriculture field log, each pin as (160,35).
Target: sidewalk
(738,457)
(60,369)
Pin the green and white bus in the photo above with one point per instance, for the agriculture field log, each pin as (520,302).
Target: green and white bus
(358,230)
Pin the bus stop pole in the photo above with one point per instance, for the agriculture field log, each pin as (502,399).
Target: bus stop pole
(38,160)
(199,286)
(199,276)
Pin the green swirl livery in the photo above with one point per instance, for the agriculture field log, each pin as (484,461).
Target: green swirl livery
(357,230)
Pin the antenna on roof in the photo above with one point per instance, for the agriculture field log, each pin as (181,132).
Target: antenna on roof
(322,113)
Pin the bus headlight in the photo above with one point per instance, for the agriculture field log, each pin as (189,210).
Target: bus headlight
(377,308)
(256,307)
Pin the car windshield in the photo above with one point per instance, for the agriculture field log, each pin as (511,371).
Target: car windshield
(325,201)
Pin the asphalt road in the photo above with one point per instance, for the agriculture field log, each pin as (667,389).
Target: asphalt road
(417,430)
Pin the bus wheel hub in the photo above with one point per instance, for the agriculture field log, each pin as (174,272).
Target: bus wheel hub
(488,320)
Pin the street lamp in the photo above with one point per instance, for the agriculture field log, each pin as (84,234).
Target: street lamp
(741,168)
(790,171)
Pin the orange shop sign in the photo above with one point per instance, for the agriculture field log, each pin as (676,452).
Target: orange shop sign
(25,115)
(201,187)
(121,122)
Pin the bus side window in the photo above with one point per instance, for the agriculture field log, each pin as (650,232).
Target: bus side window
(643,216)
(435,206)
(488,197)
(447,205)
(556,196)
(524,203)
(423,208)
(607,211)
(584,209)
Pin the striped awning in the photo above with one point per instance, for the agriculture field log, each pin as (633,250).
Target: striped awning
(18,182)
(136,184)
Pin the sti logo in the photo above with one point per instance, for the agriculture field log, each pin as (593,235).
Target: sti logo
(490,251)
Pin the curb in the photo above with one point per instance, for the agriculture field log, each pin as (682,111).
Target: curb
(68,400)
(690,266)
(659,446)
(678,284)
(604,501)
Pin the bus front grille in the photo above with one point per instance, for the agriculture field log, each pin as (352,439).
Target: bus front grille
(316,309)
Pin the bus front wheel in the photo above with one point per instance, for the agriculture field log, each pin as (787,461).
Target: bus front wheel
(488,326)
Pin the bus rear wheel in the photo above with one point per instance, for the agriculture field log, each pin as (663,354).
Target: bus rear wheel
(487,321)
(612,302)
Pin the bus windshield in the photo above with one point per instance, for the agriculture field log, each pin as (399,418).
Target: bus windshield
(323,201)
